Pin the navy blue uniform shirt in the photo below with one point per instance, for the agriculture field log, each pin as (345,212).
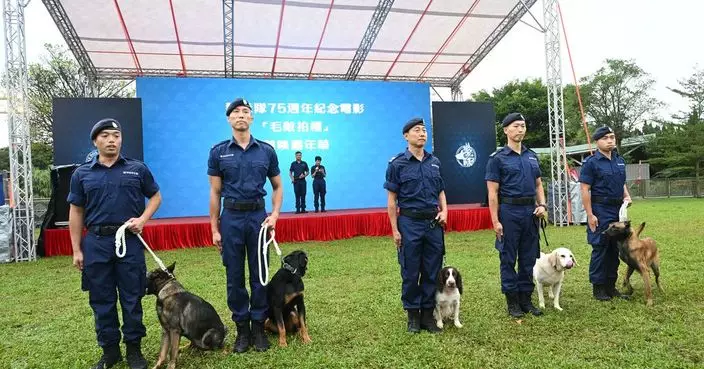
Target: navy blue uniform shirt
(321,171)
(606,177)
(516,174)
(243,171)
(416,183)
(298,169)
(111,195)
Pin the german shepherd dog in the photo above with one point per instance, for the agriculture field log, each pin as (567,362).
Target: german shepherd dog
(287,310)
(182,313)
(640,255)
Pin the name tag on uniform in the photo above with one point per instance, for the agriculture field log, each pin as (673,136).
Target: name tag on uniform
(128,172)
(435,165)
(533,158)
(227,155)
(623,165)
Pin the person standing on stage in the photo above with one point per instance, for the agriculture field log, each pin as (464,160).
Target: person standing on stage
(106,192)
(298,173)
(414,186)
(237,170)
(319,173)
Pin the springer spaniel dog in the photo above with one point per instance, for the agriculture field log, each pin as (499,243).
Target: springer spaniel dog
(447,296)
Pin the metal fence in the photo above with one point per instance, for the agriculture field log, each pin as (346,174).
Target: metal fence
(666,187)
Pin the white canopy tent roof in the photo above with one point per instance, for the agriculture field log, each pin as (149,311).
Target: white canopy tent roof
(435,41)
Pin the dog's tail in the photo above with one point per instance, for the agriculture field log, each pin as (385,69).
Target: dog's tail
(215,338)
(640,229)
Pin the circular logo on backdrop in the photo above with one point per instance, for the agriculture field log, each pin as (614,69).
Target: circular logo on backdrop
(466,156)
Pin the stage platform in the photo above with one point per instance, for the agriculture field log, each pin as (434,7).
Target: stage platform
(175,233)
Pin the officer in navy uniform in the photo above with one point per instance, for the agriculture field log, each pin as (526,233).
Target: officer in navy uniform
(237,170)
(106,192)
(603,185)
(516,201)
(298,173)
(319,173)
(414,186)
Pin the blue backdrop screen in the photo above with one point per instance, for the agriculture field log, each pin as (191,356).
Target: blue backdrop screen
(354,126)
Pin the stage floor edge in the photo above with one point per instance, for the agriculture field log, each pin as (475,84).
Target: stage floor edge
(177,233)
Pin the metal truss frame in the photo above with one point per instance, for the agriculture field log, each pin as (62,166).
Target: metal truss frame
(558,160)
(58,13)
(21,200)
(130,73)
(499,32)
(228,30)
(375,24)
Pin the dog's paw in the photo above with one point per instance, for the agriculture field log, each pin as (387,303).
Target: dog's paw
(550,294)
(283,344)
(306,339)
(558,307)
(171,366)
(458,324)
(649,303)
(439,323)
(541,305)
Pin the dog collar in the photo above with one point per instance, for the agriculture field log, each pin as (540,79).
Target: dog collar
(289,268)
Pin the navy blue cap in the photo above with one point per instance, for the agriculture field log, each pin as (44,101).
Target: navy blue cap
(512,118)
(601,132)
(233,105)
(107,123)
(412,123)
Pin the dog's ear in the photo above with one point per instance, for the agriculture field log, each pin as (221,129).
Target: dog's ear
(628,223)
(440,280)
(171,267)
(458,281)
(575,260)
(552,259)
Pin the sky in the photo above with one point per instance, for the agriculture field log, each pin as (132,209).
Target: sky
(661,37)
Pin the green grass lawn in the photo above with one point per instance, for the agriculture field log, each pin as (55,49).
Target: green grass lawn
(356,319)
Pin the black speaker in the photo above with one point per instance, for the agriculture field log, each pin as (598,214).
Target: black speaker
(56,215)
(61,183)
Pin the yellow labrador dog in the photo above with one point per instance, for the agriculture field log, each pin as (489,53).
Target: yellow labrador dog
(549,270)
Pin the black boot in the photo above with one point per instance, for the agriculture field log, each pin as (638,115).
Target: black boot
(243,339)
(316,210)
(261,343)
(524,300)
(111,356)
(514,309)
(413,321)
(599,292)
(613,292)
(322,209)
(427,321)
(135,359)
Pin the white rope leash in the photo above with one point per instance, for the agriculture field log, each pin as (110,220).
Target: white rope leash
(121,246)
(623,213)
(263,250)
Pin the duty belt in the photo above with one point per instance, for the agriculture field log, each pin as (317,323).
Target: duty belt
(518,200)
(607,200)
(419,214)
(233,204)
(106,229)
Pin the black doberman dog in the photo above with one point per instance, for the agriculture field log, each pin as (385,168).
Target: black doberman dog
(287,309)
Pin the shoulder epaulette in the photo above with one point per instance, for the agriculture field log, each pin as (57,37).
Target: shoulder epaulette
(395,157)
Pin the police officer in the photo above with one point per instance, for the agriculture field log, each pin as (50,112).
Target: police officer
(237,170)
(106,192)
(414,186)
(516,201)
(319,173)
(603,186)
(298,173)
